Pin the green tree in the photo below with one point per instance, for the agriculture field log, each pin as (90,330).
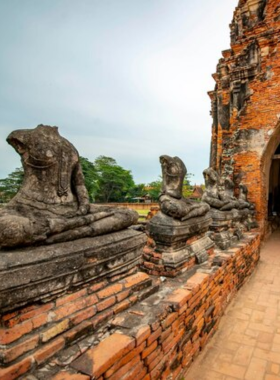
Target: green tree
(9,186)
(187,187)
(91,177)
(114,181)
(136,191)
(154,189)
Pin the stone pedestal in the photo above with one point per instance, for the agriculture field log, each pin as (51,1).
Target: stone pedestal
(221,228)
(34,273)
(228,226)
(53,295)
(178,245)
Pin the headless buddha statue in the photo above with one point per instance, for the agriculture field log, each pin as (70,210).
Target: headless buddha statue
(172,202)
(52,204)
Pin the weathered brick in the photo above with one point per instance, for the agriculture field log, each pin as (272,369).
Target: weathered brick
(169,320)
(133,299)
(99,359)
(98,286)
(27,313)
(66,375)
(165,334)
(124,369)
(71,297)
(101,317)
(137,372)
(48,350)
(150,358)
(39,320)
(136,279)
(197,280)
(154,336)
(121,306)
(11,353)
(125,294)
(10,335)
(106,303)
(142,334)
(127,358)
(82,329)
(82,315)
(178,298)
(109,291)
(16,370)
(67,309)
(55,330)
(149,349)
(91,300)
(156,372)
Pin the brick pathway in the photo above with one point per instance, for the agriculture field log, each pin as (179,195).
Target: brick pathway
(247,343)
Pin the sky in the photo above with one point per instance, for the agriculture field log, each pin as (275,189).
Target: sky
(126,79)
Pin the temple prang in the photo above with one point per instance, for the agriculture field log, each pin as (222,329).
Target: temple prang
(245,105)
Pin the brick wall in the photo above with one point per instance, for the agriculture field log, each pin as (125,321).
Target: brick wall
(157,337)
(32,334)
(245,102)
(133,206)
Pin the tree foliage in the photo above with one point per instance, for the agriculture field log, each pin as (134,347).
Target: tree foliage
(105,180)
(113,180)
(154,189)
(187,187)
(9,186)
(91,178)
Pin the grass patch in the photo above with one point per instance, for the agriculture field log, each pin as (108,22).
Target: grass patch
(143,212)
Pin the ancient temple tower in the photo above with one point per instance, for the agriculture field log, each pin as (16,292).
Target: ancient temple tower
(246,105)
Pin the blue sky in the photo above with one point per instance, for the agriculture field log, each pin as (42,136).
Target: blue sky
(121,78)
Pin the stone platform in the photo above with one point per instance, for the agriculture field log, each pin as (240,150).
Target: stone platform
(32,274)
(157,337)
(176,246)
(53,295)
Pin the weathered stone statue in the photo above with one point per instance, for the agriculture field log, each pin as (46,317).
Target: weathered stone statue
(219,195)
(52,204)
(230,215)
(178,220)
(219,192)
(226,194)
(243,197)
(171,200)
(211,193)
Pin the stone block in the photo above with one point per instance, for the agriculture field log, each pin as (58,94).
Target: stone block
(34,273)
(171,234)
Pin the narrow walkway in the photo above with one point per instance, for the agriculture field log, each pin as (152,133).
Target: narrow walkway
(247,343)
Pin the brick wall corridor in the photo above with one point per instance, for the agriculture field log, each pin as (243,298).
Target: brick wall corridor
(247,343)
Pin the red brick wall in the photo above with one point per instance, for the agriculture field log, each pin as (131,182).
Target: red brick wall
(180,323)
(32,334)
(249,152)
(179,328)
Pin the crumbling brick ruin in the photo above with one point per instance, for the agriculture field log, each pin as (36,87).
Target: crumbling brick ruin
(246,107)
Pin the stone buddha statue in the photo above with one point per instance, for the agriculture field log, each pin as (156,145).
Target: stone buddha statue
(53,205)
(172,202)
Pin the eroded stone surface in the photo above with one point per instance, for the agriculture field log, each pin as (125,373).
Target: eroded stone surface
(171,200)
(52,205)
(33,273)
